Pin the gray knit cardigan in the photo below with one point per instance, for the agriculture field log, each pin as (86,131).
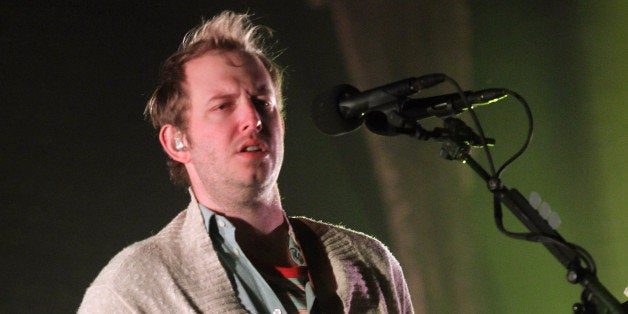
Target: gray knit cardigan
(178,271)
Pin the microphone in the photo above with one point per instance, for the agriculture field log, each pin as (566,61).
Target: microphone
(450,104)
(342,109)
(401,117)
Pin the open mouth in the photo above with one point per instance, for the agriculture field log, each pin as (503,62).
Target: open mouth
(252,148)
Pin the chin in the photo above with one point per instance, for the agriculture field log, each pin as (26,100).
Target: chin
(262,183)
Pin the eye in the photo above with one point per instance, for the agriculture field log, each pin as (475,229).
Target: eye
(262,104)
(222,107)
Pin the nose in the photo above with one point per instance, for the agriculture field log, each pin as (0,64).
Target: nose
(251,118)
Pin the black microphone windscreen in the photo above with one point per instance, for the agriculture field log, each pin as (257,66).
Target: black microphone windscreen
(326,113)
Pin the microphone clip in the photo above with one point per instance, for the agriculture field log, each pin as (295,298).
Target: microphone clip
(458,138)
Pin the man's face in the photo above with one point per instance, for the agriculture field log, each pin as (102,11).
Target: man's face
(235,130)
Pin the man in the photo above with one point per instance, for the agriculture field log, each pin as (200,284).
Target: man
(218,111)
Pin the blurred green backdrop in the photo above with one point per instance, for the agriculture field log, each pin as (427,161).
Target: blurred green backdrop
(568,60)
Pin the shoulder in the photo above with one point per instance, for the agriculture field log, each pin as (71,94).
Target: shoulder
(134,265)
(364,268)
(325,230)
(134,271)
(134,259)
(339,239)
(146,254)
(123,276)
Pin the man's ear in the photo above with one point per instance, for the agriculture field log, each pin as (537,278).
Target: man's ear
(174,143)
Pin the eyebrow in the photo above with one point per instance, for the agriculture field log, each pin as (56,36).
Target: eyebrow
(220,97)
(261,90)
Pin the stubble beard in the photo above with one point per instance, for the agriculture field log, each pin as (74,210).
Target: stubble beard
(250,191)
(232,191)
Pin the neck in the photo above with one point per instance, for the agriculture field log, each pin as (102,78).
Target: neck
(260,214)
(268,250)
(261,228)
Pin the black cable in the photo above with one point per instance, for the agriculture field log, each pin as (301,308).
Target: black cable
(528,137)
(541,238)
(476,122)
(580,252)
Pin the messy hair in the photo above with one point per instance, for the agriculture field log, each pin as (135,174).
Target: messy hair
(227,31)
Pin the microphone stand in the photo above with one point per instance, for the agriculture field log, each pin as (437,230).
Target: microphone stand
(457,140)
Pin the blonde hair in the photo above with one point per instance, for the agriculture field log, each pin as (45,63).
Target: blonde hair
(226,31)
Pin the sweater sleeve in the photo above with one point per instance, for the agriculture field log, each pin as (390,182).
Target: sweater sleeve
(403,298)
(102,299)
